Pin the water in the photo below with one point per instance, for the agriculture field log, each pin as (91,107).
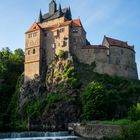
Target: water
(39,136)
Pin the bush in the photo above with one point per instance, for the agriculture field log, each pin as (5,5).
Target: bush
(62,54)
(132,131)
(73,83)
(93,100)
(134,112)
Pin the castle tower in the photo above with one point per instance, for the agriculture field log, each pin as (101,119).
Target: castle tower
(33,52)
(52,7)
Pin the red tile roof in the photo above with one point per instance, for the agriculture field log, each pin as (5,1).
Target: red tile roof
(115,42)
(118,43)
(34,27)
(76,22)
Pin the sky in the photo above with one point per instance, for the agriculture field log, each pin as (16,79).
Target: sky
(118,19)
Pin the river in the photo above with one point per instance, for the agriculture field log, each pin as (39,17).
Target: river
(64,135)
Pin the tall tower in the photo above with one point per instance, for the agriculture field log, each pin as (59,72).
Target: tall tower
(52,7)
(32,64)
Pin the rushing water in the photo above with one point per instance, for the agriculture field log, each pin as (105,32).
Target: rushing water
(39,136)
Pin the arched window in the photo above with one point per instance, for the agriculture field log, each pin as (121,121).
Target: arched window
(29,52)
(33,51)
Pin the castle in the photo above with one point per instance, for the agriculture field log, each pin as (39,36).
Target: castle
(56,31)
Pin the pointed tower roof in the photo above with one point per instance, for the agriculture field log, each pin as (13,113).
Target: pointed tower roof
(40,17)
(60,10)
(69,11)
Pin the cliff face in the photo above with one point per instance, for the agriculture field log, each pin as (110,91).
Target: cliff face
(53,102)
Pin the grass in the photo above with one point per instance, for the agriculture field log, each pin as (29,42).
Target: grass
(117,122)
(111,122)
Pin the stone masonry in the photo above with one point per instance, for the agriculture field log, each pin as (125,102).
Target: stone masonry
(56,31)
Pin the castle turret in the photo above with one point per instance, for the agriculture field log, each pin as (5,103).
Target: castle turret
(60,10)
(52,7)
(40,17)
(70,15)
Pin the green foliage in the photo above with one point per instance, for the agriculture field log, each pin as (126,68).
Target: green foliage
(55,97)
(73,83)
(117,122)
(11,67)
(134,112)
(62,54)
(114,138)
(132,131)
(93,98)
(70,74)
(32,107)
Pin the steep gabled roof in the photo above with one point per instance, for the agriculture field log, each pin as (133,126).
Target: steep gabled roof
(76,22)
(34,27)
(64,13)
(118,43)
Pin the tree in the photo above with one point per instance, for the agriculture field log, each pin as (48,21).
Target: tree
(11,67)
(93,100)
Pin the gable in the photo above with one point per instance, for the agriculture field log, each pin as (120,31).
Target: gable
(34,27)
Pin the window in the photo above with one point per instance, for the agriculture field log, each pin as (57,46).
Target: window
(35,34)
(55,33)
(75,31)
(29,35)
(132,55)
(33,51)
(29,52)
(61,30)
(117,61)
(64,43)
(122,52)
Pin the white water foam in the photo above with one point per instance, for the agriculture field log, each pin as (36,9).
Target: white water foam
(44,138)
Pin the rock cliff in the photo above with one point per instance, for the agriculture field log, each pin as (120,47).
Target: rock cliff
(54,102)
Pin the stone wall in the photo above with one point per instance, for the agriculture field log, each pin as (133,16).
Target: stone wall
(32,54)
(52,22)
(114,61)
(96,131)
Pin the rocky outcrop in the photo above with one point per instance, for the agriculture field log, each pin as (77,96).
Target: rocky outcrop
(58,100)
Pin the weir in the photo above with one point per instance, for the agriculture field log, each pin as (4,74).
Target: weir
(65,135)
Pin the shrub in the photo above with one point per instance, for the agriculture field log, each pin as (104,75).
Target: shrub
(132,131)
(73,83)
(62,54)
(93,100)
(134,112)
